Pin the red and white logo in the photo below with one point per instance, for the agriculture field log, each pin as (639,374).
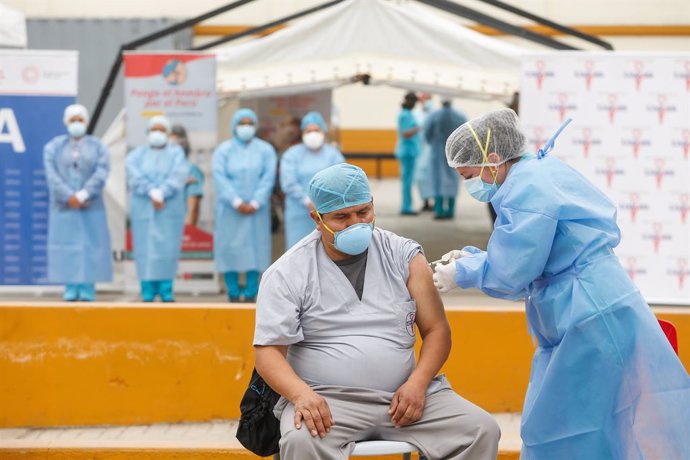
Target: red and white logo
(683,207)
(633,268)
(562,106)
(684,75)
(660,171)
(588,74)
(612,106)
(682,272)
(658,236)
(638,74)
(586,140)
(636,141)
(31,74)
(537,138)
(540,73)
(634,205)
(683,143)
(610,171)
(662,107)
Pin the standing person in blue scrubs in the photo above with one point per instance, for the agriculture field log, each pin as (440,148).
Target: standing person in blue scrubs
(423,170)
(605,382)
(77,166)
(407,150)
(156,176)
(244,173)
(444,179)
(297,166)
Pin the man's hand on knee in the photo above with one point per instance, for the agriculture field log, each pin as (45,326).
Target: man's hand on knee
(313,409)
(407,405)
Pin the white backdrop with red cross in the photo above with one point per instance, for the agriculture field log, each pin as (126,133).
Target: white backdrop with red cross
(630,136)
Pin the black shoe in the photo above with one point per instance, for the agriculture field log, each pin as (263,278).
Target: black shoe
(427,207)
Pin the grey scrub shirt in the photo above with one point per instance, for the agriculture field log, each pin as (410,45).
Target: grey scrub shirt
(305,301)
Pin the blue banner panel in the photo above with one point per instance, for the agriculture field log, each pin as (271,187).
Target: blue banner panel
(27,123)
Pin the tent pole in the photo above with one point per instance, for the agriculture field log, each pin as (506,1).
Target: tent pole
(554,25)
(268,25)
(115,68)
(481,18)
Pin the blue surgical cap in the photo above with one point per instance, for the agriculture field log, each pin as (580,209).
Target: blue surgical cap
(339,186)
(159,120)
(240,114)
(313,118)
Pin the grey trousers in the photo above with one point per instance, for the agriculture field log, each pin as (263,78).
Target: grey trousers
(450,428)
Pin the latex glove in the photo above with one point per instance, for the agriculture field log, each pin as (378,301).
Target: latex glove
(444,276)
(156,195)
(454,255)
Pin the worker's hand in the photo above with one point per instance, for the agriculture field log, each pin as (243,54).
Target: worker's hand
(454,255)
(246,208)
(444,276)
(407,405)
(74,202)
(313,409)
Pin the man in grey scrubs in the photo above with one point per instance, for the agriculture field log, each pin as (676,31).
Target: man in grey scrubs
(335,332)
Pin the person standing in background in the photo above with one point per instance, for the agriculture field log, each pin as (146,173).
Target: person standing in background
(407,150)
(194,188)
(423,170)
(444,179)
(297,166)
(244,173)
(156,176)
(77,166)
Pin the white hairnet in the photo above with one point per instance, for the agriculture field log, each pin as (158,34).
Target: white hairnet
(497,131)
(75,109)
(160,120)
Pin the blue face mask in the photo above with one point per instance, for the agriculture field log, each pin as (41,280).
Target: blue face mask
(245,132)
(157,139)
(480,190)
(76,129)
(354,240)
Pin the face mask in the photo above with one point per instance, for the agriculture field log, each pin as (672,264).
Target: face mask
(354,240)
(480,190)
(245,132)
(157,138)
(314,140)
(76,129)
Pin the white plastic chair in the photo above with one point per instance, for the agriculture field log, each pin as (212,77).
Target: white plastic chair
(373,448)
(365,448)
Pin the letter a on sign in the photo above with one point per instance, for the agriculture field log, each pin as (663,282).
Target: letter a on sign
(9,131)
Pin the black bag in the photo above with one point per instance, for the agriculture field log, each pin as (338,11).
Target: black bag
(259,429)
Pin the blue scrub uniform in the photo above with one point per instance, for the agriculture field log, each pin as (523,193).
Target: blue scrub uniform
(407,150)
(242,242)
(423,168)
(157,234)
(297,166)
(79,253)
(605,381)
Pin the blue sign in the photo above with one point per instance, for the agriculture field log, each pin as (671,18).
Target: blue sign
(27,123)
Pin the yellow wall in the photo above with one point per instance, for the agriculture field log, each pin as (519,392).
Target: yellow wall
(367,141)
(104,364)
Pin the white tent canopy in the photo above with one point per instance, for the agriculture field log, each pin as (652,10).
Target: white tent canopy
(408,46)
(12,28)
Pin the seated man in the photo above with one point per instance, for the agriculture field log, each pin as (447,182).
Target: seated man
(335,334)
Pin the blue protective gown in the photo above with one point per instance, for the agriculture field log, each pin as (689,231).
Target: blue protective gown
(242,242)
(196,188)
(78,239)
(423,177)
(297,166)
(605,381)
(444,179)
(407,150)
(157,234)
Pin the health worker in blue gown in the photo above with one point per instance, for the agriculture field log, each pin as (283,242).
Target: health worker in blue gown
(298,165)
(605,382)
(407,149)
(156,175)
(244,172)
(444,179)
(77,166)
